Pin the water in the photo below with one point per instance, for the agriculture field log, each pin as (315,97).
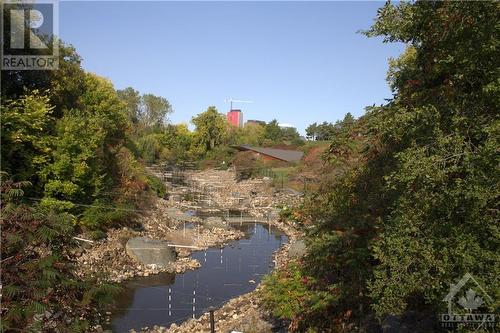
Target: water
(224,274)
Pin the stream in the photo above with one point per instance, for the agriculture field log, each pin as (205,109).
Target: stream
(225,273)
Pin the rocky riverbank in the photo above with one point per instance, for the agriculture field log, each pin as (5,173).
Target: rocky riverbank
(108,261)
(244,313)
(255,196)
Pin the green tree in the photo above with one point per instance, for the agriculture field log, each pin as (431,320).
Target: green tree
(176,142)
(155,110)
(443,128)
(272,131)
(412,204)
(149,147)
(211,128)
(348,119)
(133,101)
(312,131)
(63,86)
(252,134)
(25,144)
(290,135)
(83,156)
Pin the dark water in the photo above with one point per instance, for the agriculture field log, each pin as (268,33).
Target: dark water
(224,274)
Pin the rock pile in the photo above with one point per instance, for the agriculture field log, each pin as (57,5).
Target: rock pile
(252,195)
(107,259)
(149,251)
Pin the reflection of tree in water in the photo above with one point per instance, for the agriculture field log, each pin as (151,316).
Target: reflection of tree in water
(244,227)
(126,297)
(248,229)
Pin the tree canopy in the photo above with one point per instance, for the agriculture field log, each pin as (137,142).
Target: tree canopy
(412,204)
(211,128)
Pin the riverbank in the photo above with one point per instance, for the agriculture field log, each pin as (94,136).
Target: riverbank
(108,261)
(244,313)
(175,222)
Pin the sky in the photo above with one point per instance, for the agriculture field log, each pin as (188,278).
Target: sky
(299,62)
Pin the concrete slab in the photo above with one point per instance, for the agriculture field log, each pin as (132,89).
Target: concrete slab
(149,251)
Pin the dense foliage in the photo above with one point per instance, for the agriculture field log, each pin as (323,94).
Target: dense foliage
(412,203)
(82,147)
(37,276)
(66,140)
(326,130)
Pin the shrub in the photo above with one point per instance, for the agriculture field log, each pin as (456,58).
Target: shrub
(247,165)
(156,185)
(288,293)
(36,274)
(103,215)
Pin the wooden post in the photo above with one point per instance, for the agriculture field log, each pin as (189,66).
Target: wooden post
(212,320)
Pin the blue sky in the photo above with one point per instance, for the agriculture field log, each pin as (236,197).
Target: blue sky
(299,62)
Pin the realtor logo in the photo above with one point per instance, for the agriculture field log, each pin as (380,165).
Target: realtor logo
(465,304)
(29,32)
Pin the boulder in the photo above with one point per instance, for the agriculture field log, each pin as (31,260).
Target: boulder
(179,215)
(215,222)
(297,249)
(274,214)
(150,251)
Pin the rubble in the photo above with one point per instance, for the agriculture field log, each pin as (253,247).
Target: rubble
(151,252)
(252,195)
(244,313)
(168,220)
(107,259)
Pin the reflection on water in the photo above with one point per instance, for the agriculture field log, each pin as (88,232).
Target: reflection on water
(224,274)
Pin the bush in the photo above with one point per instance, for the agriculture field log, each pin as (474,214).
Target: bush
(156,185)
(36,273)
(103,215)
(217,157)
(149,148)
(288,294)
(247,165)
(283,292)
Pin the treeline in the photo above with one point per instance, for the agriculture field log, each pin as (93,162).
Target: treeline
(73,158)
(412,202)
(69,165)
(326,131)
(69,135)
(209,143)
